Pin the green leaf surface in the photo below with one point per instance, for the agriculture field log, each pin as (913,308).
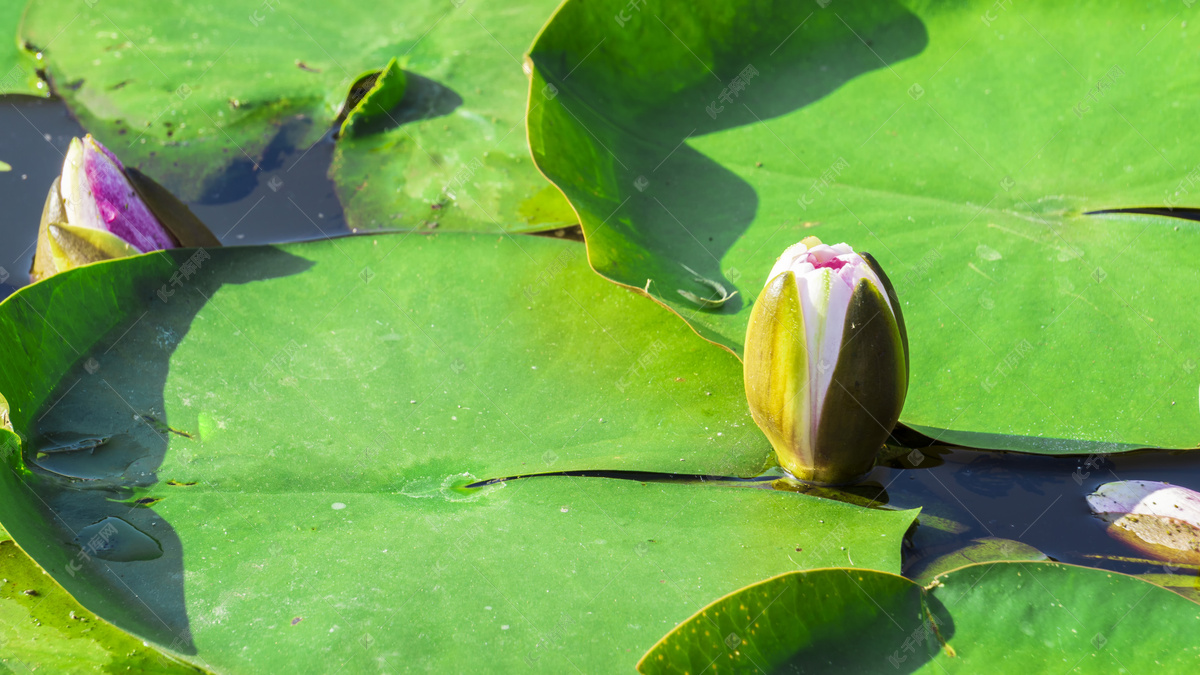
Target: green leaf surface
(287,439)
(961,144)
(454,156)
(199,94)
(18,68)
(994,617)
(43,629)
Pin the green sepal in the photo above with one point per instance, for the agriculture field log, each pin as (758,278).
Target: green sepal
(52,212)
(72,246)
(382,95)
(866,392)
(775,370)
(892,298)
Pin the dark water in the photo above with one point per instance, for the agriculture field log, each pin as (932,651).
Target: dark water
(1037,500)
(289,197)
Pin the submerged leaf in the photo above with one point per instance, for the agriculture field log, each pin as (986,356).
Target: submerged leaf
(986,549)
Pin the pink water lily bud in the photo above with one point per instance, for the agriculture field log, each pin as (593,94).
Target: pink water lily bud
(826,362)
(1158,519)
(96,194)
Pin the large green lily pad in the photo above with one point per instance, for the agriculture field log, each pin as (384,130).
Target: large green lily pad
(961,144)
(292,431)
(994,617)
(201,94)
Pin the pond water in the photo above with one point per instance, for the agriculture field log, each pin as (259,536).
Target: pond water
(965,494)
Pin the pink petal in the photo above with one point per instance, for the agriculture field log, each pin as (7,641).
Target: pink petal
(123,212)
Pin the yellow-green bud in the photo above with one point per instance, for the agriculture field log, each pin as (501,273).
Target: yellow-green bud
(826,361)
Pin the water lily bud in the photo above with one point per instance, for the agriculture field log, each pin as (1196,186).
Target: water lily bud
(97,212)
(826,362)
(97,194)
(1158,519)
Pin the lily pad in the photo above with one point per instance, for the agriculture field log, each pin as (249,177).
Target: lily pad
(995,617)
(201,95)
(44,628)
(18,68)
(964,146)
(307,432)
(185,91)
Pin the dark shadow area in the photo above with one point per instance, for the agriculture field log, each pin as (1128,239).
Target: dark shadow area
(900,616)
(240,178)
(868,494)
(642,476)
(696,207)
(287,196)
(98,444)
(572,233)
(907,436)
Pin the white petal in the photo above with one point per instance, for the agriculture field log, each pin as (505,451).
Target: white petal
(788,259)
(80,208)
(829,342)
